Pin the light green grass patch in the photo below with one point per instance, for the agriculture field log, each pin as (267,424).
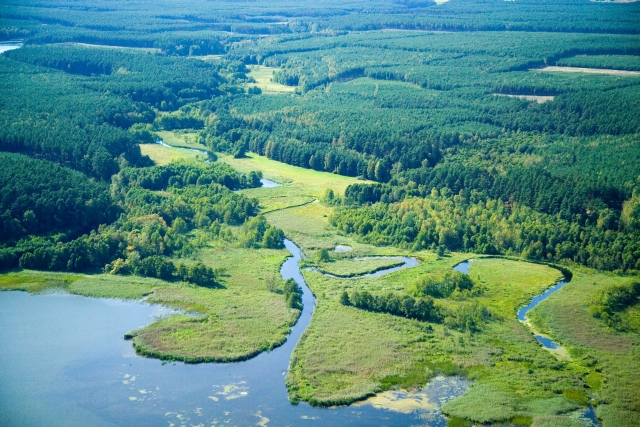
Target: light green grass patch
(164,155)
(566,317)
(95,285)
(263,75)
(181,139)
(303,181)
(237,322)
(355,267)
(511,284)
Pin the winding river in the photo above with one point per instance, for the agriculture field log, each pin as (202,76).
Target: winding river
(64,363)
(546,342)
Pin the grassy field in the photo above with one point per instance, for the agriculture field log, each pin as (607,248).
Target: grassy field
(590,71)
(181,139)
(511,285)
(125,48)
(299,181)
(164,155)
(262,75)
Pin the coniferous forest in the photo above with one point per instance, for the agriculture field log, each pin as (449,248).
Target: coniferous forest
(464,129)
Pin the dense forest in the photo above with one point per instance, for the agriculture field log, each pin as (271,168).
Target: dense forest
(41,226)
(415,111)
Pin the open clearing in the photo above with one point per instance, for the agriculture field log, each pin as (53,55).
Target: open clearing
(538,99)
(262,75)
(356,267)
(305,181)
(165,155)
(181,139)
(104,46)
(590,71)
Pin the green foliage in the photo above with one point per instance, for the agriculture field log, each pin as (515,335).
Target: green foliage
(182,173)
(293,294)
(83,129)
(257,233)
(164,82)
(39,197)
(420,309)
(453,282)
(323,255)
(471,222)
(614,300)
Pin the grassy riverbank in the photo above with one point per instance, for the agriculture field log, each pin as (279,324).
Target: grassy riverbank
(611,359)
(164,155)
(350,267)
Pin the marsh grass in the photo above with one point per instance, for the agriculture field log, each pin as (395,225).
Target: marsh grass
(164,155)
(350,267)
(236,323)
(302,181)
(609,360)
(346,354)
(181,139)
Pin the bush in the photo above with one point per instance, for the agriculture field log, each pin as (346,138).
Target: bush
(453,281)
(404,306)
(293,294)
(611,302)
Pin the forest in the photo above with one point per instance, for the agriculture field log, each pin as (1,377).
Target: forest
(465,129)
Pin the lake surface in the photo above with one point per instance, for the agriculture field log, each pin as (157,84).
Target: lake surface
(9,45)
(267,183)
(63,362)
(463,267)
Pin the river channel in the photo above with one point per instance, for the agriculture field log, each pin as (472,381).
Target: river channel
(64,363)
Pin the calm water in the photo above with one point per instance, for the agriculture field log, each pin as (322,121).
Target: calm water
(9,45)
(463,267)
(63,362)
(267,183)
(522,313)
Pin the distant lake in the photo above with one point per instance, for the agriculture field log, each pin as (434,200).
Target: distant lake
(10,45)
